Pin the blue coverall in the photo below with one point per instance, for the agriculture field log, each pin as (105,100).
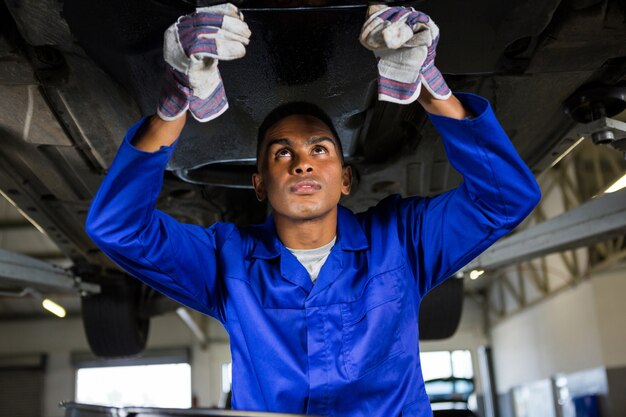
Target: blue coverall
(348,345)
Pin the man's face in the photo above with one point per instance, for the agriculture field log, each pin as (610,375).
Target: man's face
(300,169)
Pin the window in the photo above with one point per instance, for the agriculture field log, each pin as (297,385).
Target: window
(227,377)
(163,385)
(462,364)
(448,376)
(446,364)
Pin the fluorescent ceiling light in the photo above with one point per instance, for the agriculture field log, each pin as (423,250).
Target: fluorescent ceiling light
(53,307)
(617,185)
(476,273)
(46,303)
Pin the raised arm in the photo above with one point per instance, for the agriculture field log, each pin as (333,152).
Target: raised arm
(450,107)
(156,132)
(176,259)
(442,234)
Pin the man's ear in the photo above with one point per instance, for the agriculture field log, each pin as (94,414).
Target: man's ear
(259,186)
(346,180)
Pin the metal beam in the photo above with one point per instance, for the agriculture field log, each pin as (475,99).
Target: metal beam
(21,271)
(594,221)
(46,256)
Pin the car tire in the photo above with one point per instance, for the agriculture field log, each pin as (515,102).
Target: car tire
(440,310)
(113,324)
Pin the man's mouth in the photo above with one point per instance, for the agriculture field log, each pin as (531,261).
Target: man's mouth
(305,187)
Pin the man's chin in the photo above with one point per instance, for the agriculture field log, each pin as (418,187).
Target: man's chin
(308,215)
(303,212)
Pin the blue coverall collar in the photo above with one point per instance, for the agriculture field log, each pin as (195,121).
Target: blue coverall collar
(350,236)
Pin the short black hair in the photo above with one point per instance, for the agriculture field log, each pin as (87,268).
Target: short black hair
(302,108)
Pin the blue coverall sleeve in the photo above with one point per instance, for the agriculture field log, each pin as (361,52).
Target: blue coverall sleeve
(446,232)
(176,259)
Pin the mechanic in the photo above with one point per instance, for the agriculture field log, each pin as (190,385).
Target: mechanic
(321,305)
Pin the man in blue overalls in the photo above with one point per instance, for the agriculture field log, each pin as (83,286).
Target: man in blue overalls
(321,305)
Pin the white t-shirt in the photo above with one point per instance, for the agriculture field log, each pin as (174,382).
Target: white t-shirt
(313,259)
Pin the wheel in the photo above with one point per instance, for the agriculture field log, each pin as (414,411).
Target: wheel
(113,324)
(440,310)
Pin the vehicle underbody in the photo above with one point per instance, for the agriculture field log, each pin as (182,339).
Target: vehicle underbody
(75,75)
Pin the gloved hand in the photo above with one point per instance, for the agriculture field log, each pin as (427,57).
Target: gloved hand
(192,48)
(405,42)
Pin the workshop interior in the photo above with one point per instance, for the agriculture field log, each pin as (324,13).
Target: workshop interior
(532,327)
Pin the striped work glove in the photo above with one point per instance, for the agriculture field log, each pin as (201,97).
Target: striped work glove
(193,46)
(405,41)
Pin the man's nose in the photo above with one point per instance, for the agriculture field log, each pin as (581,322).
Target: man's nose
(302,165)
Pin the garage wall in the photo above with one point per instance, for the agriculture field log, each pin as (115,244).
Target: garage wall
(59,338)
(609,292)
(578,329)
(559,335)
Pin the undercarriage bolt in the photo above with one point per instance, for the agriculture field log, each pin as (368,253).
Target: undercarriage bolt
(603,138)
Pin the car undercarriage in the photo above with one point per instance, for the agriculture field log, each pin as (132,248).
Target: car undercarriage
(75,75)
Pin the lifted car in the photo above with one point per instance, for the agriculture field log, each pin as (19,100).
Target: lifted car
(74,75)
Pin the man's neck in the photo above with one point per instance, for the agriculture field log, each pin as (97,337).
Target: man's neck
(306,234)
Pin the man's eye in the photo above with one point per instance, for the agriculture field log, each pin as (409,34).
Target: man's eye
(319,150)
(283,152)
